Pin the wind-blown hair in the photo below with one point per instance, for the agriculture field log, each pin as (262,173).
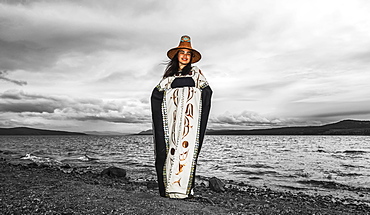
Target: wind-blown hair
(173,67)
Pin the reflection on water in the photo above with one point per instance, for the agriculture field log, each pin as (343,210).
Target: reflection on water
(314,163)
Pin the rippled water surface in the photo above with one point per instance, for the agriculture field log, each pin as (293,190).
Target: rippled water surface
(295,162)
(328,164)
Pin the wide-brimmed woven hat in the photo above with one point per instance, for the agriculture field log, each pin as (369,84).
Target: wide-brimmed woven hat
(185,43)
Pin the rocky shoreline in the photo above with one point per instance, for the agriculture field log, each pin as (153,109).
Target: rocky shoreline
(34,189)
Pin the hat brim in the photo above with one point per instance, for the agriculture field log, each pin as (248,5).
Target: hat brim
(195,58)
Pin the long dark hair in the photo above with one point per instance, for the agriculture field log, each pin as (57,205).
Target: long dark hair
(173,67)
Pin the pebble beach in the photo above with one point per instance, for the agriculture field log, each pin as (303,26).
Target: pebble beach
(34,189)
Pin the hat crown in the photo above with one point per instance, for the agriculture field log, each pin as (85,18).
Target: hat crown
(185,42)
(185,38)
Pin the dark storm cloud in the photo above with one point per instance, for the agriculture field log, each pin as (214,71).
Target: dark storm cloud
(24,55)
(39,33)
(38,55)
(5,73)
(20,107)
(342,114)
(19,102)
(28,105)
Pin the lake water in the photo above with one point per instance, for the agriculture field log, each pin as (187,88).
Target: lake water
(336,165)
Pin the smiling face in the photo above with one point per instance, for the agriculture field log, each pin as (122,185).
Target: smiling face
(184,57)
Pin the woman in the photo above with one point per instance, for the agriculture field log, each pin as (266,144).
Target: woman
(180,107)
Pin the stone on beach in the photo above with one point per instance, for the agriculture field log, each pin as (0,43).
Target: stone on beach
(114,172)
(152,184)
(216,185)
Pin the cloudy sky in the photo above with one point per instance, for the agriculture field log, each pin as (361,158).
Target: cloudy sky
(91,65)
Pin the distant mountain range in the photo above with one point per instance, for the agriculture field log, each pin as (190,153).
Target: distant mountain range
(34,131)
(344,127)
(106,133)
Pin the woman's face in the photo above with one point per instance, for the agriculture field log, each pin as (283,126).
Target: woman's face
(184,57)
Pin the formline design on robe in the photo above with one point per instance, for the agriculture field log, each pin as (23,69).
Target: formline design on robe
(181,113)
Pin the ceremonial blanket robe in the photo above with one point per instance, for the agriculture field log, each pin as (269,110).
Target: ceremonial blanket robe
(180,109)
